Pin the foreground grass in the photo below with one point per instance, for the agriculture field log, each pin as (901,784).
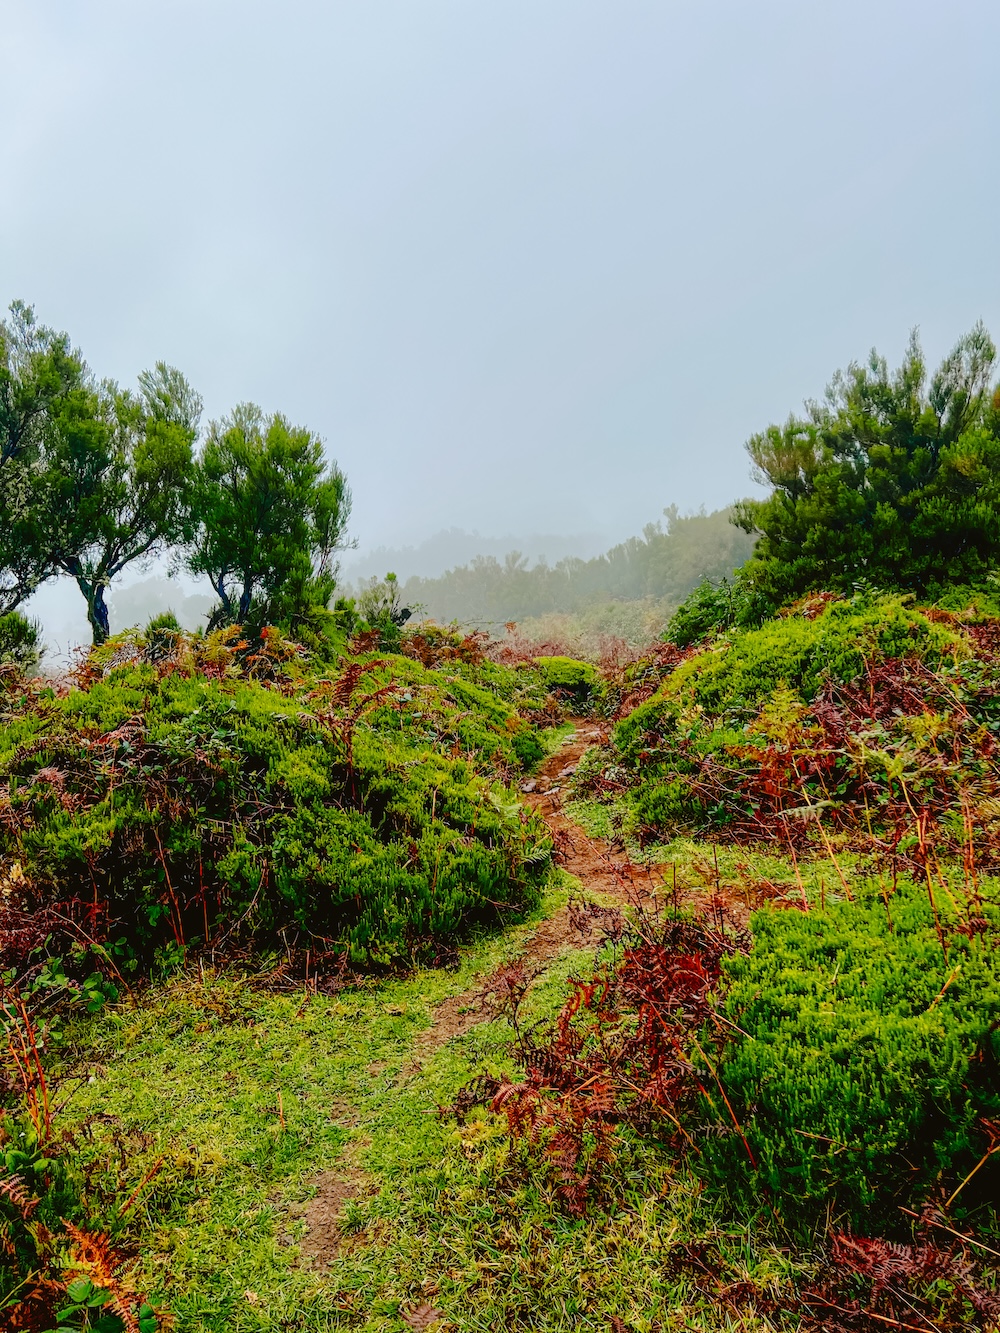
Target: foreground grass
(229,1101)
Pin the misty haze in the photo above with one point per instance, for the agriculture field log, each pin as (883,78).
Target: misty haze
(499,667)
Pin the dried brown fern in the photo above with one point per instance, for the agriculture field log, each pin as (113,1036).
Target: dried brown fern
(620,1051)
(13,1189)
(93,1256)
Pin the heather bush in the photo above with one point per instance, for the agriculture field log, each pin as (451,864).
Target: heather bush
(214,791)
(863,1066)
(800,650)
(569,679)
(712,608)
(850,711)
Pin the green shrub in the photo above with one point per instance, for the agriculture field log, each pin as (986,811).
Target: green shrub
(841,706)
(974,603)
(162,635)
(867,1057)
(20,642)
(186,798)
(528,748)
(664,804)
(713,608)
(569,678)
(797,652)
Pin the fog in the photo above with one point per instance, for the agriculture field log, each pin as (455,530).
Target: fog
(444,550)
(527,268)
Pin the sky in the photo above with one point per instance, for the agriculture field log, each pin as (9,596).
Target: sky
(526,267)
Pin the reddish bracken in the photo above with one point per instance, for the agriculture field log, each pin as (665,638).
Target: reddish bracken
(624,1050)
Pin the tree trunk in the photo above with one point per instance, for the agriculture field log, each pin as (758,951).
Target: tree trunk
(97,611)
(219,585)
(245,598)
(93,594)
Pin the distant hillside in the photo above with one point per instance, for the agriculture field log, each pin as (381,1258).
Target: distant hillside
(454,546)
(659,568)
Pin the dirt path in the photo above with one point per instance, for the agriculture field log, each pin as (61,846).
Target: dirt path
(593,862)
(603,876)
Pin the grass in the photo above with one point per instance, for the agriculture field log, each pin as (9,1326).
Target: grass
(232,1100)
(753,873)
(552,737)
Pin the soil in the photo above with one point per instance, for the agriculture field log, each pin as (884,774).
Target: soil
(324,1239)
(591,861)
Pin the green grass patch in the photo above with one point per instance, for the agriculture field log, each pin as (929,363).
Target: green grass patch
(233,1100)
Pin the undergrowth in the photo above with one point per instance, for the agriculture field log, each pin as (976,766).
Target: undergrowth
(864,720)
(235,1099)
(203,799)
(778,1111)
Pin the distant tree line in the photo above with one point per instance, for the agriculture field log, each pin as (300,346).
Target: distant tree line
(94,478)
(665,563)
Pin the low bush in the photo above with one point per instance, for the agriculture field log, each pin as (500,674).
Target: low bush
(713,608)
(569,679)
(816,642)
(864,1062)
(225,793)
(839,1064)
(866,715)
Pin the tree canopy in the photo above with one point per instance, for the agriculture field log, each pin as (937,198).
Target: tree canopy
(94,477)
(269,514)
(41,376)
(892,480)
(116,482)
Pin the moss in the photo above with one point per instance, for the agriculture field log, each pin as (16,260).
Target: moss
(569,678)
(187,796)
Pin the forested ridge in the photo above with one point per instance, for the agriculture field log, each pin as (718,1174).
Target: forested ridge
(662,566)
(366,970)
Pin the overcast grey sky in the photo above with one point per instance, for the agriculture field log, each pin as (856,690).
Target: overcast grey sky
(526,267)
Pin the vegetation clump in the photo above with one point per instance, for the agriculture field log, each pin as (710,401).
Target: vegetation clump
(217,793)
(879,1010)
(569,679)
(854,714)
(19,643)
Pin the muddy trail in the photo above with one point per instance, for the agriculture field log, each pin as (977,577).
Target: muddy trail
(606,875)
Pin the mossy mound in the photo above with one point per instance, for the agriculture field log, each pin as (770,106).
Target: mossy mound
(864,1055)
(850,713)
(214,797)
(568,678)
